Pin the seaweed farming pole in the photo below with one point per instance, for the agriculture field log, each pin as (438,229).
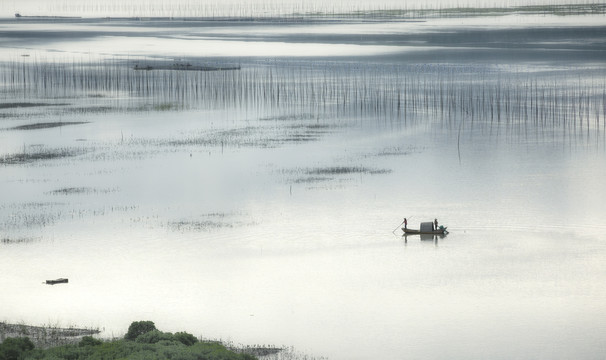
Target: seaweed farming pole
(24,80)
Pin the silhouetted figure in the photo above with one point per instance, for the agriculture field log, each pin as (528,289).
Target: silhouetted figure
(435,223)
(405,223)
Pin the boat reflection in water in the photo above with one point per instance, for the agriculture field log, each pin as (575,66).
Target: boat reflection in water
(425,237)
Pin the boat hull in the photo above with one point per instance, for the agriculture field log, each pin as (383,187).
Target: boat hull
(419,232)
(57,281)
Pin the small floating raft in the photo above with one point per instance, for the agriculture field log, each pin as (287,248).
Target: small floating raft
(57,281)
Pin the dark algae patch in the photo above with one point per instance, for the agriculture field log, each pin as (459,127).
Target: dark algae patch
(30,157)
(47,125)
(80,191)
(72,190)
(204,225)
(208,222)
(19,240)
(257,137)
(345,170)
(312,179)
(330,173)
(16,105)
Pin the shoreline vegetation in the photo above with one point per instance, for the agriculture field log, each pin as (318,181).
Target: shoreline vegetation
(143,340)
(45,336)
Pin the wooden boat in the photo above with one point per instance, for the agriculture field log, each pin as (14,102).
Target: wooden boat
(427,228)
(57,281)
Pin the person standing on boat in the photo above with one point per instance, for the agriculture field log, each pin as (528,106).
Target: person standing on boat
(435,223)
(405,223)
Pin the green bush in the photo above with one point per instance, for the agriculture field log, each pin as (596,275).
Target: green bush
(15,348)
(152,337)
(185,338)
(64,352)
(89,341)
(137,328)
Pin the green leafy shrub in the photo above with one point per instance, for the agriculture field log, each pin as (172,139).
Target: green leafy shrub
(152,337)
(89,341)
(185,338)
(137,328)
(15,348)
(64,352)
(167,343)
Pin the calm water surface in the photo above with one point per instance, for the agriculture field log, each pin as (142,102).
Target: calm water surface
(276,227)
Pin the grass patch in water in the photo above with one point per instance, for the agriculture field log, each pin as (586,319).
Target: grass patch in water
(29,220)
(19,240)
(395,151)
(345,170)
(331,173)
(255,137)
(90,109)
(292,117)
(30,157)
(80,190)
(164,107)
(208,222)
(312,179)
(204,225)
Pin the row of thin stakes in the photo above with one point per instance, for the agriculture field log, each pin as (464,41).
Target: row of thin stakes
(571,102)
(293,10)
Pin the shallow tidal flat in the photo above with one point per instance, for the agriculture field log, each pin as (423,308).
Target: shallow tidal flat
(257,202)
